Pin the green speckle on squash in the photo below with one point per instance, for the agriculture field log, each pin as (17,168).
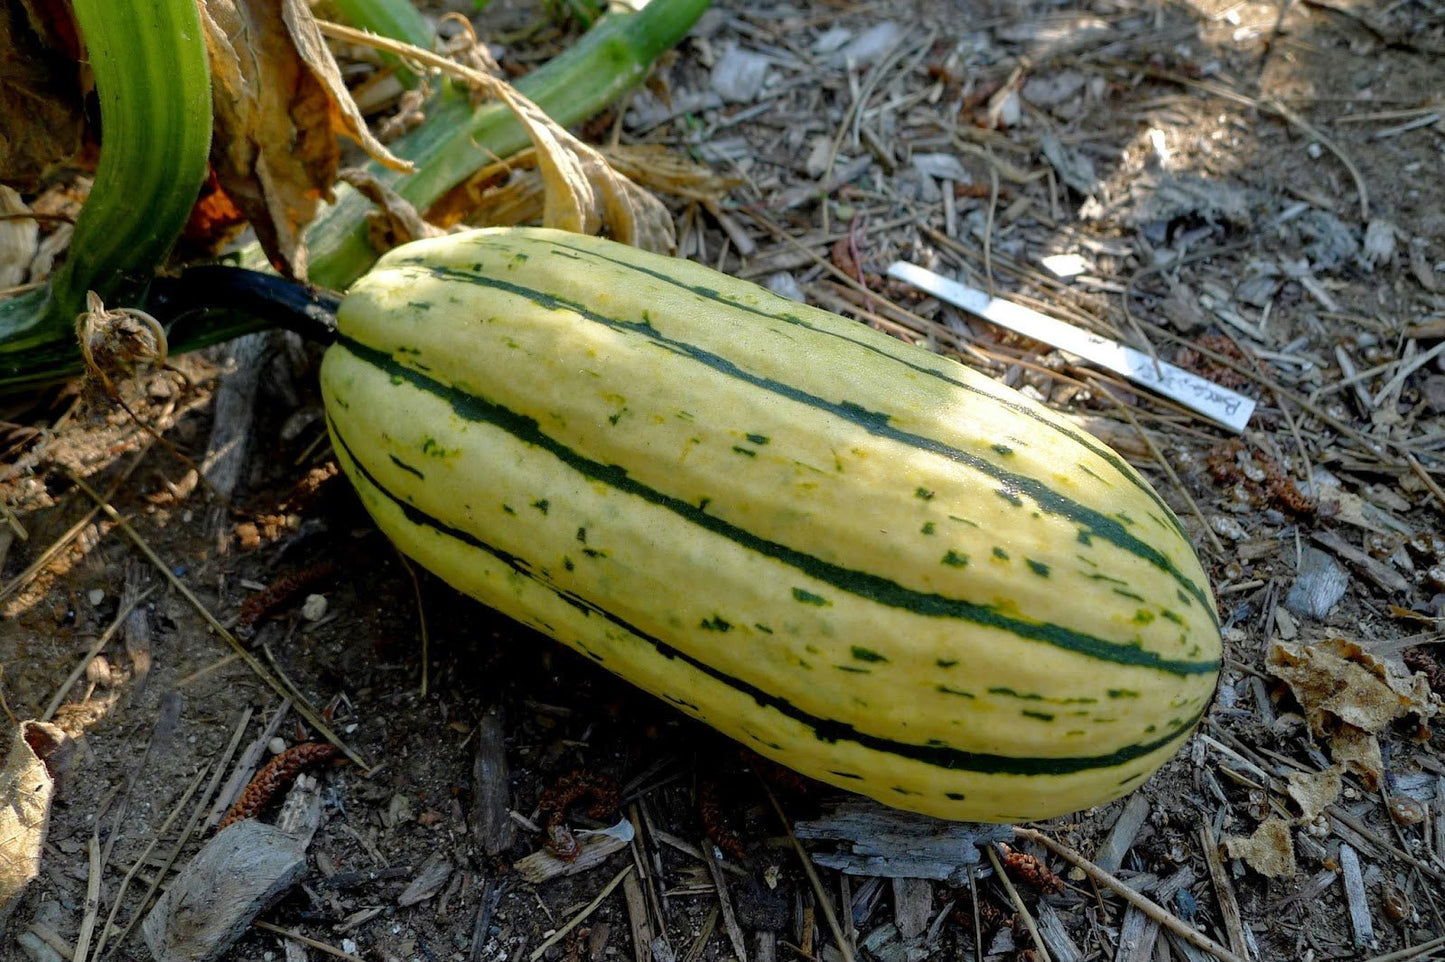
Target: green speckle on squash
(749,452)
(431,447)
(1040,715)
(1000,554)
(808,598)
(927,528)
(1038,567)
(542,505)
(867,654)
(715,623)
(946,662)
(955,559)
(923,494)
(758,439)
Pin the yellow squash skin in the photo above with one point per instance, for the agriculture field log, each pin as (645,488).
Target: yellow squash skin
(863,560)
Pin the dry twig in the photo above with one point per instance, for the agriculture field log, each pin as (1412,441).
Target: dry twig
(1146,905)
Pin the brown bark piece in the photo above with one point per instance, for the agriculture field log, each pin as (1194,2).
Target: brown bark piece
(214,899)
(492,788)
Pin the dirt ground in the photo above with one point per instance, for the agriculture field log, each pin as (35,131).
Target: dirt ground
(1263,206)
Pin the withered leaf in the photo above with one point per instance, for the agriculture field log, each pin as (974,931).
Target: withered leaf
(345,116)
(1348,695)
(510,192)
(1313,792)
(279,103)
(583,193)
(395,221)
(26,787)
(1269,851)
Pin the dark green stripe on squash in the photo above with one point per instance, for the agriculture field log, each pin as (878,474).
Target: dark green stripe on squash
(876,588)
(1082,438)
(824,729)
(1014,485)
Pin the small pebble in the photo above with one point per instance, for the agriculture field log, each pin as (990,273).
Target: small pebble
(314,608)
(95,596)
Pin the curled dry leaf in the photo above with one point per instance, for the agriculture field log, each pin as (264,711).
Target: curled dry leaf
(1349,695)
(395,221)
(279,104)
(1269,851)
(511,192)
(26,786)
(584,194)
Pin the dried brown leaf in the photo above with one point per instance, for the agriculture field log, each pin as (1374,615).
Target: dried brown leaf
(345,116)
(1269,851)
(395,221)
(1348,695)
(584,194)
(1313,792)
(511,192)
(26,786)
(279,103)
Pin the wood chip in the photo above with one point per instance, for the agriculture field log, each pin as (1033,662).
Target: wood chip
(542,865)
(886,843)
(429,879)
(213,900)
(1380,573)
(1056,937)
(725,903)
(1354,882)
(1121,837)
(912,906)
(492,788)
(1224,894)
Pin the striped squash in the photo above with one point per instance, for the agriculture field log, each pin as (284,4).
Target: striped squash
(858,558)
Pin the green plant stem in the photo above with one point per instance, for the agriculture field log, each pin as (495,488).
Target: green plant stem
(153,81)
(457,139)
(396,19)
(454,141)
